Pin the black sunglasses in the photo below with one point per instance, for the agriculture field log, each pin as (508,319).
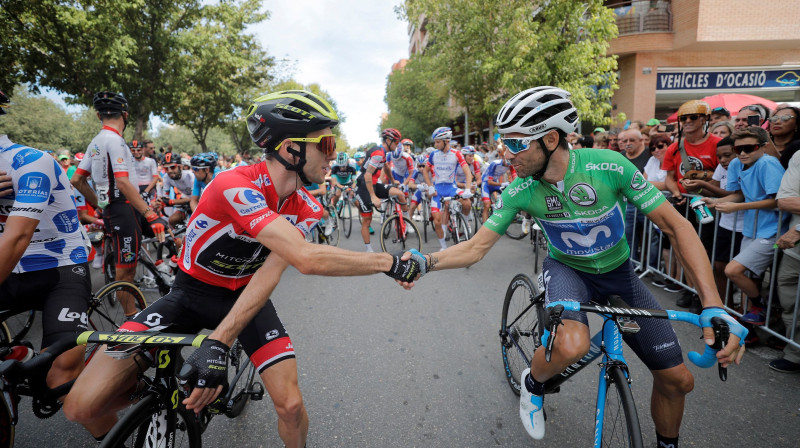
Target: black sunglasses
(692,117)
(747,149)
(661,145)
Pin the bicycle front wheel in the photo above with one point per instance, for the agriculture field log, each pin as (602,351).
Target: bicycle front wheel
(399,238)
(521,328)
(346,215)
(514,230)
(146,425)
(619,405)
(105,312)
(461,230)
(243,380)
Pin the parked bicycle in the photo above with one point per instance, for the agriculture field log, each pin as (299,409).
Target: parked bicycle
(527,324)
(398,233)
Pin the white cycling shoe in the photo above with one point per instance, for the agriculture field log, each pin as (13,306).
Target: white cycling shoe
(531,410)
(526,226)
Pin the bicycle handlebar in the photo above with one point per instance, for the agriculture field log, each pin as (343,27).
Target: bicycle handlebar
(705,360)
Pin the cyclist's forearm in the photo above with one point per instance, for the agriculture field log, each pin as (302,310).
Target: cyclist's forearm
(463,254)
(250,302)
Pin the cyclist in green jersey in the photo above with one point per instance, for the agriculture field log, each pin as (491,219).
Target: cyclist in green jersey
(578,199)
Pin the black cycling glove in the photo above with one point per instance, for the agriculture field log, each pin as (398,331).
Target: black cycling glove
(209,365)
(405,271)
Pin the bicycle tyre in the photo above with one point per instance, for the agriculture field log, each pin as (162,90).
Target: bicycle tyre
(333,238)
(425,213)
(132,429)
(391,240)
(461,232)
(521,328)
(7,429)
(514,230)
(346,215)
(104,314)
(19,324)
(621,400)
(245,382)
(109,266)
(476,219)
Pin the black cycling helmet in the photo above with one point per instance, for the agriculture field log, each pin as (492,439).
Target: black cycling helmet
(204,160)
(273,117)
(3,103)
(290,113)
(170,158)
(110,103)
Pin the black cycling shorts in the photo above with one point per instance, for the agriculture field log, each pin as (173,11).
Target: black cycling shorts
(126,226)
(192,306)
(61,294)
(656,344)
(364,199)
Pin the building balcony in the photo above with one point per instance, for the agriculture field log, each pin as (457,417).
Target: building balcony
(642,16)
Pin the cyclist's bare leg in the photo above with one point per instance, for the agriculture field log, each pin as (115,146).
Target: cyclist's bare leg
(127,301)
(466,205)
(100,391)
(366,221)
(280,380)
(66,367)
(670,387)
(571,344)
(398,193)
(485,212)
(437,224)
(176,218)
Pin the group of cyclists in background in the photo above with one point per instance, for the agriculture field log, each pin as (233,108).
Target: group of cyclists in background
(245,226)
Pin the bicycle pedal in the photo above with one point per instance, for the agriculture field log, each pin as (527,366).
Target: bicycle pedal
(257,393)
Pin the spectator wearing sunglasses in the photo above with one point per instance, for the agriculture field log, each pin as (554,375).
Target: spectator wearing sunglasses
(784,131)
(753,180)
(719,114)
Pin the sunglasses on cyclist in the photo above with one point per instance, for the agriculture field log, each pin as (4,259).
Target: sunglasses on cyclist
(777,118)
(517,145)
(173,167)
(136,150)
(325,143)
(692,117)
(197,168)
(747,149)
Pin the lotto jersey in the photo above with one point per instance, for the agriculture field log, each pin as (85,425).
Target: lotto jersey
(41,192)
(184,185)
(401,165)
(344,173)
(107,158)
(474,169)
(583,219)
(444,165)
(220,246)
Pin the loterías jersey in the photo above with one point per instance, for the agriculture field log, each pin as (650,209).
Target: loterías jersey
(41,192)
(444,165)
(583,217)
(401,165)
(220,246)
(107,158)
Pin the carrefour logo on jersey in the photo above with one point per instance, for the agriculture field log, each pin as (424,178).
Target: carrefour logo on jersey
(245,200)
(33,187)
(25,157)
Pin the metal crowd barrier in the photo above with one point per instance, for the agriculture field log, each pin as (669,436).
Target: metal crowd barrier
(652,240)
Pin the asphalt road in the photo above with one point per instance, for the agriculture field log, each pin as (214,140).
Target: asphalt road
(381,366)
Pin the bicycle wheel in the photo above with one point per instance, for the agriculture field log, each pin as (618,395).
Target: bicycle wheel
(425,212)
(333,238)
(346,215)
(619,405)
(476,219)
(461,231)
(521,327)
(105,314)
(109,264)
(394,240)
(6,426)
(19,324)
(514,231)
(243,380)
(147,425)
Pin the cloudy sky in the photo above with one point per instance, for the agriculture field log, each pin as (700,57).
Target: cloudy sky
(346,46)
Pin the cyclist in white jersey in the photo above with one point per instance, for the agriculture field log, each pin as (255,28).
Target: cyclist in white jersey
(145,169)
(181,182)
(43,264)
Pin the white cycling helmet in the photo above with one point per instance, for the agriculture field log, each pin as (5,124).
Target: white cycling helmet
(536,111)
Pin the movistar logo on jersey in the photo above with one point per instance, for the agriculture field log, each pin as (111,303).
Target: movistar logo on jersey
(583,194)
(586,236)
(33,187)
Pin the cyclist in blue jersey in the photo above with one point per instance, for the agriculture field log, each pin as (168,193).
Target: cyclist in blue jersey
(498,174)
(417,183)
(204,167)
(578,197)
(44,252)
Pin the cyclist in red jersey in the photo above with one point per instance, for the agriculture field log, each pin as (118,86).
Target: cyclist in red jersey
(248,227)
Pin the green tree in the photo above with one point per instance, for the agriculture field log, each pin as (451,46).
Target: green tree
(37,122)
(417,100)
(487,51)
(183,140)
(222,61)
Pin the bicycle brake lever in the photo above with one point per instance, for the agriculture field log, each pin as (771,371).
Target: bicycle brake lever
(555,321)
(721,334)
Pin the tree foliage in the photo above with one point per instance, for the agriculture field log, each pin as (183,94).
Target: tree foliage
(487,51)
(417,100)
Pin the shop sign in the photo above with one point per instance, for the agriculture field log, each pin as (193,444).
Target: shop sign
(727,80)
